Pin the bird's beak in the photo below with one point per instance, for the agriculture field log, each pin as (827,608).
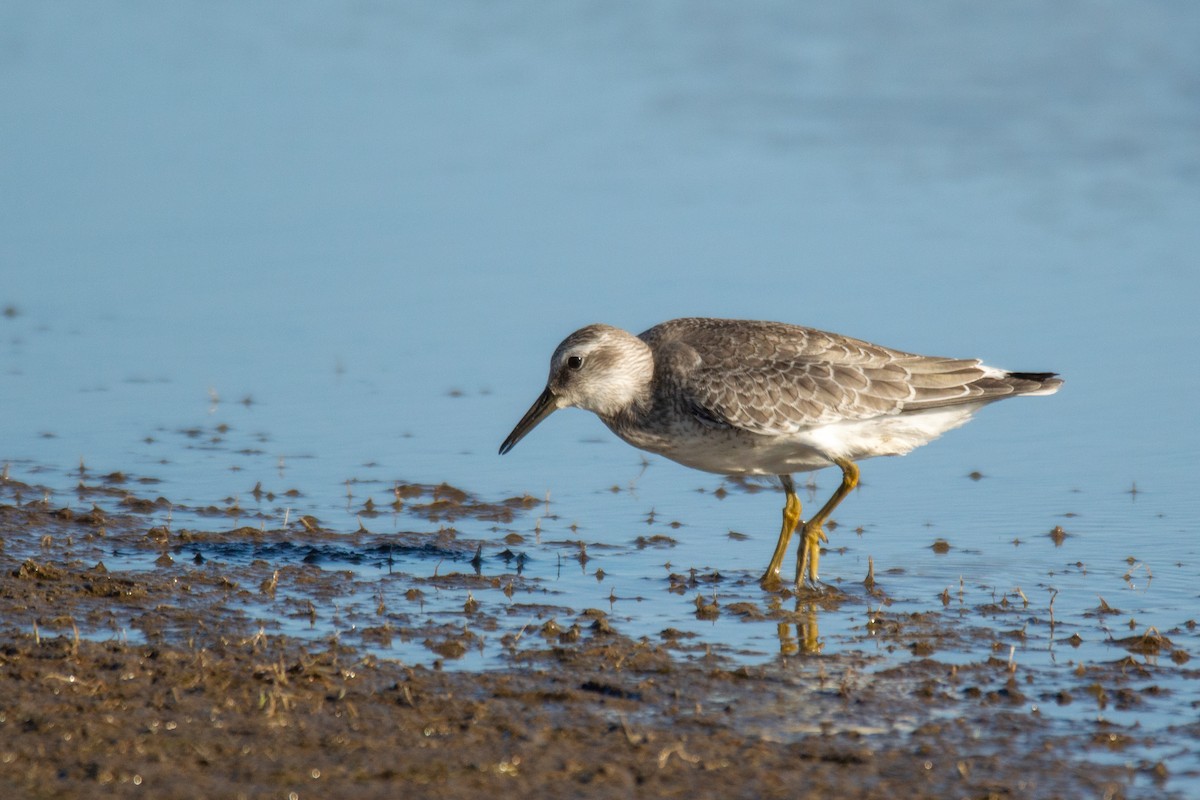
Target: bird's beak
(543,407)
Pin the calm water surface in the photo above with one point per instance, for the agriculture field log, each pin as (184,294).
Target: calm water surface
(333,249)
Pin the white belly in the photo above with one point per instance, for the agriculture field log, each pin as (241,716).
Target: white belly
(735,452)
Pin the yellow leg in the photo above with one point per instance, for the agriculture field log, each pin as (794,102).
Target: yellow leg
(812,534)
(791,518)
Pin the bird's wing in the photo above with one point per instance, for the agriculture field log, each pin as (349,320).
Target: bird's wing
(772,378)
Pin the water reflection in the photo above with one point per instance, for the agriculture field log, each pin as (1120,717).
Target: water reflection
(806,639)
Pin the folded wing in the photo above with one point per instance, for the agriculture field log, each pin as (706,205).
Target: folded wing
(772,378)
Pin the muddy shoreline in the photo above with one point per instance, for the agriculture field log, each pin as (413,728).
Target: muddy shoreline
(157,683)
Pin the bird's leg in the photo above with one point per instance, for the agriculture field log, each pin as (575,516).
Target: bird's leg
(812,534)
(791,518)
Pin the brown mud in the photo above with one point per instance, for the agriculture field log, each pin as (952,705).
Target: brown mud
(163,682)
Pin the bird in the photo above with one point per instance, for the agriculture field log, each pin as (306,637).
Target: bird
(743,398)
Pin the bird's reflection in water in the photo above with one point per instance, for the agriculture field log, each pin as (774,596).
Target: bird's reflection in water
(807,637)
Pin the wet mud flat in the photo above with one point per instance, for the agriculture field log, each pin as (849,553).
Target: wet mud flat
(162,682)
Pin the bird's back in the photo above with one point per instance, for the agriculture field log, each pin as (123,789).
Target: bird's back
(775,378)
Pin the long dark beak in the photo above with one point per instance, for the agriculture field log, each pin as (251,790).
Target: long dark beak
(542,407)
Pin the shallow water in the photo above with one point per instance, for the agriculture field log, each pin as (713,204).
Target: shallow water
(332,251)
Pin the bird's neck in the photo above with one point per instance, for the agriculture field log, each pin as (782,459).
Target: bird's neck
(628,390)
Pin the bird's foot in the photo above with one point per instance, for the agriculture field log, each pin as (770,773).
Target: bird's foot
(809,586)
(770,581)
(810,555)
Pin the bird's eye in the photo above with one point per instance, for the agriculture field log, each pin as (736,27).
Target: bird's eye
(575,362)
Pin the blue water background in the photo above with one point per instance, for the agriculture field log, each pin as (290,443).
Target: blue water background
(354,233)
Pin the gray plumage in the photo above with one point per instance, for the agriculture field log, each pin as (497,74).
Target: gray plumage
(773,378)
(760,398)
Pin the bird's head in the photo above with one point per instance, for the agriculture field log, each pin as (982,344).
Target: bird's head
(598,368)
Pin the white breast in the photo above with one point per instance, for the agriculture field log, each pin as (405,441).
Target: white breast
(734,452)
